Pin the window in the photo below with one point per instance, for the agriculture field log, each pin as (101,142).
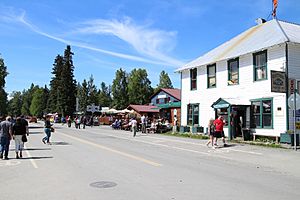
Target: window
(193,76)
(211,76)
(260,65)
(167,100)
(193,114)
(261,111)
(233,72)
(157,101)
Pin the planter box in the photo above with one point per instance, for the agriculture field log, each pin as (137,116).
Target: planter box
(197,129)
(289,138)
(184,129)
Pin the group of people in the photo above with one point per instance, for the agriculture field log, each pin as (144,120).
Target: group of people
(16,129)
(215,131)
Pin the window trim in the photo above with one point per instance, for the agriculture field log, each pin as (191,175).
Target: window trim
(191,78)
(261,112)
(215,76)
(254,65)
(238,71)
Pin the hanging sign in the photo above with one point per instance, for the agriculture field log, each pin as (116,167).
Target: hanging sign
(278,83)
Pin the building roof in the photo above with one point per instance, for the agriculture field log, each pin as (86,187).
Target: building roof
(144,108)
(173,92)
(257,38)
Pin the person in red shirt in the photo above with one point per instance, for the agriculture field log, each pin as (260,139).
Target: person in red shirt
(219,132)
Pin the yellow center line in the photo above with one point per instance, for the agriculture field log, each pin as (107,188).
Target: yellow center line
(114,151)
(31,160)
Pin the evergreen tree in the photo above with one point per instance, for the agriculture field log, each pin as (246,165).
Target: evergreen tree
(63,85)
(139,87)
(104,96)
(164,81)
(119,90)
(92,92)
(14,108)
(82,95)
(3,94)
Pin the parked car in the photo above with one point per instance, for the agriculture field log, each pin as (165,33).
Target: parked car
(33,120)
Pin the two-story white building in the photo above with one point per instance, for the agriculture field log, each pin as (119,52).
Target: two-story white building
(246,80)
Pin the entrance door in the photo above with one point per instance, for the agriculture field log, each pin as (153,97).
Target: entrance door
(238,121)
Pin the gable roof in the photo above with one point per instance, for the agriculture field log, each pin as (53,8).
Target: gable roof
(144,108)
(255,39)
(173,92)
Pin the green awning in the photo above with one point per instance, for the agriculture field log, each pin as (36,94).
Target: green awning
(170,105)
(220,103)
(226,102)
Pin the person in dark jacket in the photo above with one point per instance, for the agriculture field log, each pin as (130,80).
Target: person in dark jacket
(19,131)
(5,137)
(47,130)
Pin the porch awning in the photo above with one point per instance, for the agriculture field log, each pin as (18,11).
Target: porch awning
(226,102)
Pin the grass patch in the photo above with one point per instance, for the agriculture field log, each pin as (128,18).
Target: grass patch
(187,135)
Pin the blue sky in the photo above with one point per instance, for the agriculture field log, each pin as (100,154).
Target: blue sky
(107,35)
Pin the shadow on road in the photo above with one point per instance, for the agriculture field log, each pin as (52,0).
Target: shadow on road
(37,149)
(37,157)
(60,143)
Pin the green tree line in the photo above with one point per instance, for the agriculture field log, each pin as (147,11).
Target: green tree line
(64,91)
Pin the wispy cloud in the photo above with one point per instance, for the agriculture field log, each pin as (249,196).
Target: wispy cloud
(150,44)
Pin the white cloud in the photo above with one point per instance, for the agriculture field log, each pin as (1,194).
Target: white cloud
(148,42)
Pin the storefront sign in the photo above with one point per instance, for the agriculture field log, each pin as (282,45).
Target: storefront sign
(278,83)
(292,86)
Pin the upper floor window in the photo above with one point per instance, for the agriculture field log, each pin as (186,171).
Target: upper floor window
(167,100)
(261,113)
(211,76)
(260,65)
(193,76)
(233,72)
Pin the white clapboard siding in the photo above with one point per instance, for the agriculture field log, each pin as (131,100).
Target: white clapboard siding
(246,89)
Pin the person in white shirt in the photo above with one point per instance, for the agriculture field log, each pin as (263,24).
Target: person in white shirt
(133,126)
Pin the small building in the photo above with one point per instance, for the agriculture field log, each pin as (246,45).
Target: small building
(147,110)
(169,102)
(245,79)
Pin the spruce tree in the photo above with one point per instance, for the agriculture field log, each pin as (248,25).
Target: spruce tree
(119,90)
(164,80)
(104,96)
(62,97)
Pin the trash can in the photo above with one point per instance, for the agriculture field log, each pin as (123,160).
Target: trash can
(246,134)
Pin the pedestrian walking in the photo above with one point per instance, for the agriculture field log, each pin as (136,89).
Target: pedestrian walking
(134,126)
(143,121)
(47,131)
(19,135)
(211,132)
(5,137)
(219,132)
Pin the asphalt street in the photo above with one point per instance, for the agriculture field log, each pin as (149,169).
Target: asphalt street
(101,163)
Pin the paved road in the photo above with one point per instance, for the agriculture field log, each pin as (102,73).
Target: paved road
(100,163)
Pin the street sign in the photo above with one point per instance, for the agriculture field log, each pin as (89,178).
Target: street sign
(93,108)
(291,101)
